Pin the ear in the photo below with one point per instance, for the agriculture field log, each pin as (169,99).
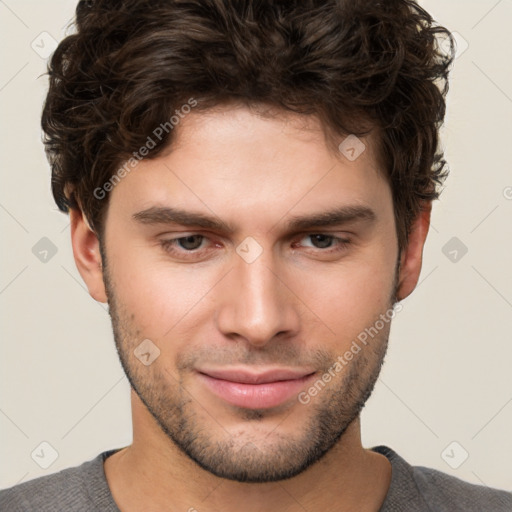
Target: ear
(86,250)
(411,259)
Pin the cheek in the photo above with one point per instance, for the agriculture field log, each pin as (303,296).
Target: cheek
(349,298)
(160,297)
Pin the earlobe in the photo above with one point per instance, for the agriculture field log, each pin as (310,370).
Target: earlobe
(86,251)
(411,259)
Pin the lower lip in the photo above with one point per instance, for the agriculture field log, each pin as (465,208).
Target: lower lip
(255,396)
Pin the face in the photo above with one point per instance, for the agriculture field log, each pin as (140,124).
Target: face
(251,259)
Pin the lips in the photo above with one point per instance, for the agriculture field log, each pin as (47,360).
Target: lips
(255,390)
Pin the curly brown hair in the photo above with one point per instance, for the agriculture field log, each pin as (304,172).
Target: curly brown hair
(356,64)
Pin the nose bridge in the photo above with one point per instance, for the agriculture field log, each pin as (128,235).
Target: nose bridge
(256,304)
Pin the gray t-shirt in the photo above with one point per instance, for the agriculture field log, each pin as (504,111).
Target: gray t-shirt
(413,489)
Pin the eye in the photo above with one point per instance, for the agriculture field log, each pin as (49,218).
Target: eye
(324,241)
(183,244)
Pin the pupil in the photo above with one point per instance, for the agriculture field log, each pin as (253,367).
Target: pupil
(187,242)
(322,240)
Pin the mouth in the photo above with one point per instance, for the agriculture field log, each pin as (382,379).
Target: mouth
(255,390)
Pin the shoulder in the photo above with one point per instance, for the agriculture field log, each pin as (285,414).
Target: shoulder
(79,488)
(417,488)
(440,489)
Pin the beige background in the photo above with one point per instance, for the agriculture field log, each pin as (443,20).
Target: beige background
(448,373)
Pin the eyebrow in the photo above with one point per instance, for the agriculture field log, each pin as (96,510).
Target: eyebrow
(334,217)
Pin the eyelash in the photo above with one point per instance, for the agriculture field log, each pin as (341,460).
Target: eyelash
(169,245)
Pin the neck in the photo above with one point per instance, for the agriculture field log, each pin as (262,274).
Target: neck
(153,474)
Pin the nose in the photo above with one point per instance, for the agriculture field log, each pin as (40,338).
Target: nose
(257,302)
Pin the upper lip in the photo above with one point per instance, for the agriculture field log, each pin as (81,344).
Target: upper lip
(256,377)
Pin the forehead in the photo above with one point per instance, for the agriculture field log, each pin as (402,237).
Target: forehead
(237,161)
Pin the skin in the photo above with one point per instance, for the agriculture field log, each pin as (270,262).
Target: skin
(299,304)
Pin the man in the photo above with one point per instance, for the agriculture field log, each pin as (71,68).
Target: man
(249,186)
